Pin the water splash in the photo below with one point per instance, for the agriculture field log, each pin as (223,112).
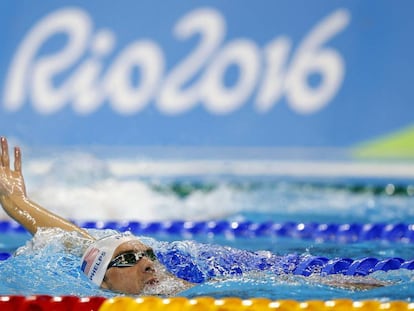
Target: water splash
(83,186)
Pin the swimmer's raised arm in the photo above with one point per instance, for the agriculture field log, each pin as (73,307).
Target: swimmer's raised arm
(18,206)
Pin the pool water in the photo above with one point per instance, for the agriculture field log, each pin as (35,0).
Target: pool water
(99,192)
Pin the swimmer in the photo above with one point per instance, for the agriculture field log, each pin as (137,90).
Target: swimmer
(119,262)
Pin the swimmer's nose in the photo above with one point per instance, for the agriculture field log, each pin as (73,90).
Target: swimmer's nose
(148,266)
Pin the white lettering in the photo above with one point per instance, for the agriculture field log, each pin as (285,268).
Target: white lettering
(271,89)
(211,26)
(218,98)
(87,80)
(312,58)
(127,99)
(85,83)
(25,70)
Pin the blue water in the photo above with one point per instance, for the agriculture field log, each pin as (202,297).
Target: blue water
(44,267)
(95,189)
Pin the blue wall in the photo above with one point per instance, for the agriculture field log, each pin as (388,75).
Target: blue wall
(217,73)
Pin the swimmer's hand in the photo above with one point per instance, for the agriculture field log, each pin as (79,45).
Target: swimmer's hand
(11,181)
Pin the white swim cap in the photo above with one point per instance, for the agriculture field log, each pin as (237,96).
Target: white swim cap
(98,255)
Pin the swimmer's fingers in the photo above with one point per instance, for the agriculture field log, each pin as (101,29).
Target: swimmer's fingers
(5,161)
(18,160)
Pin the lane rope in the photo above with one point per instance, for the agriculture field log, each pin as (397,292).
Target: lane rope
(45,302)
(346,233)
(323,266)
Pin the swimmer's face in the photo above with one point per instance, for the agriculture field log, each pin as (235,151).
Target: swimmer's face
(130,280)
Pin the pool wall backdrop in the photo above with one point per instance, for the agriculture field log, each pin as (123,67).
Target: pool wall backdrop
(301,74)
(329,83)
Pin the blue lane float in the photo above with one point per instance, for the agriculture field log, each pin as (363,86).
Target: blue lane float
(324,266)
(325,232)
(352,232)
(347,266)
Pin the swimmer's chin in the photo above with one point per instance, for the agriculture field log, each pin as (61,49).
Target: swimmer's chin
(165,284)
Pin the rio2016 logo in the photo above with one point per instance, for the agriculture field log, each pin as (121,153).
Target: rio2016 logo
(264,73)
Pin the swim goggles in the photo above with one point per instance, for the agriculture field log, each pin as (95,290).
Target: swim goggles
(130,259)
